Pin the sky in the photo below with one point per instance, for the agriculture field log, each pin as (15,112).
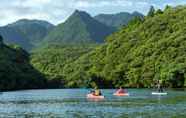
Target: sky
(57,11)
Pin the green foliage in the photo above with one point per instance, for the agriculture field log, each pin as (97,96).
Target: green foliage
(167,7)
(159,11)
(151,12)
(1,38)
(138,55)
(16,71)
(51,60)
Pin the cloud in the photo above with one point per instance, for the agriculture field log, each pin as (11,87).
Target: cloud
(57,11)
(91,4)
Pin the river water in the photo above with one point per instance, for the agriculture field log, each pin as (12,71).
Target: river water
(72,103)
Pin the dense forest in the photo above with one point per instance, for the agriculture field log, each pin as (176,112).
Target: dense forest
(146,50)
(16,72)
(51,60)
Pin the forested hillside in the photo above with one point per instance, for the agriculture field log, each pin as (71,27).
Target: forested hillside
(51,60)
(140,54)
(16,72)
(136,56)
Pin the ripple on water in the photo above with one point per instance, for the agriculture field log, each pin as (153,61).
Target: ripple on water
(70,103)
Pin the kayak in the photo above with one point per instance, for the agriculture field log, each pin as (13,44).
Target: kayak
(121,94)
(159,93)
(91,96)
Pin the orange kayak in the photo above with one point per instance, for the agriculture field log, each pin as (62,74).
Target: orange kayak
(121,94)
(91,96)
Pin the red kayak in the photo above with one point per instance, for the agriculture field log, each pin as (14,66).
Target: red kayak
(91,96)
(121,94)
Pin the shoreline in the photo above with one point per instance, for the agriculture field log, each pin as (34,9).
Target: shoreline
(180,89)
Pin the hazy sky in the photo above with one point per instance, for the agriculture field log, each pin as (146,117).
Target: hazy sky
(56,11)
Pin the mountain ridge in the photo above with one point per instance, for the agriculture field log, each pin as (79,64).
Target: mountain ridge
(25,33)
(80,27)
(118,20)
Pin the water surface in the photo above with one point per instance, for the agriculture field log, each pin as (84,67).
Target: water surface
(72,103)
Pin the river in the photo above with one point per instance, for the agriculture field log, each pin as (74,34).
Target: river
(72,103)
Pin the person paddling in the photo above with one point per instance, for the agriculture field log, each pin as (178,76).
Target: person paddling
(97,92)
(159,86)
(95,95)
(121,91)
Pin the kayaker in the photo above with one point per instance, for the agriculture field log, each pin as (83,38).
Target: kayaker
(159,86)
(120,91)
(97,92)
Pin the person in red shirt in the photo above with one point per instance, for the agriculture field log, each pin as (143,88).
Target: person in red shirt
(121,91)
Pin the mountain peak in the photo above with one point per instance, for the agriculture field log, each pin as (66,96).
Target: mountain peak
(77,11)
(80,27)
(80,13)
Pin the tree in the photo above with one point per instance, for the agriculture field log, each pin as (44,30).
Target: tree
(151,12)
(1,40)
(159,11)
(167,7)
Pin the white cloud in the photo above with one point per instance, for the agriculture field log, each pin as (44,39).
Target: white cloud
(91,4)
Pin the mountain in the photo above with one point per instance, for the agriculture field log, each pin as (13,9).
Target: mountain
(117,20)
(138,55)
(16,72)
(80,27)
(26,33)
(12,36)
